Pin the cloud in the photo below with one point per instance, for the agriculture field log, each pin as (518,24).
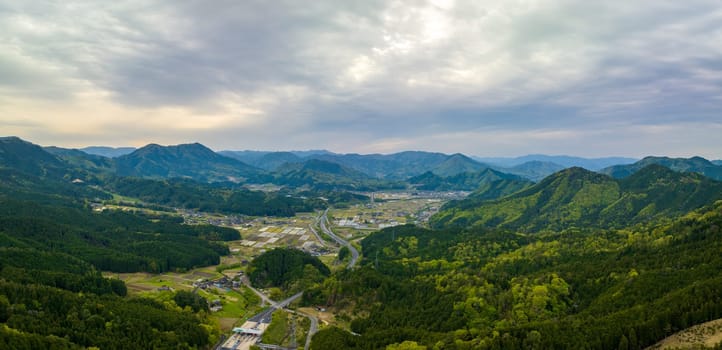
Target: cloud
(381,75)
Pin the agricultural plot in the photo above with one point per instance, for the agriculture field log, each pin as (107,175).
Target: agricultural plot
(266,233)
(395,209)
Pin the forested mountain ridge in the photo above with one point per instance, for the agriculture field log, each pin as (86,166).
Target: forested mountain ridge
(189,160)
(52,247)
(29,158)
(563,161)
(576,197)
(692,165)
(324,175)
(466,181)
(534,170)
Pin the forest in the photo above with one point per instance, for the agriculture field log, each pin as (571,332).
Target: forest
(488,288)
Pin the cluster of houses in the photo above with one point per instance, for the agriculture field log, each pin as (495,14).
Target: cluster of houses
(221,283)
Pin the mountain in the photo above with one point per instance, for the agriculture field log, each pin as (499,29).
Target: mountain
(188,160)
(255,158)
(565,161)
(274,160)
(29,158)
(534,170)
(83,160)
(457,164)
(467,181)
(592,289)
(110,152)
(576,197)
(396,166)
(392,166)
(247,157)
(324,175)
(717,162)
(402,165)
(694,164)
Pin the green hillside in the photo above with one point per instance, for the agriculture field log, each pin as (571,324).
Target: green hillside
(324,175)
(687,165)
(193,161)
(470,181)
(478,288)
(580,198)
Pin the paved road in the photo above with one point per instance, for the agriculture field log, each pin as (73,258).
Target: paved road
(311,331)
(266,315)
(315,233)
(324,226)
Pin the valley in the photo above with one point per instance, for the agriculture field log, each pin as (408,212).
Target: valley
(370,251)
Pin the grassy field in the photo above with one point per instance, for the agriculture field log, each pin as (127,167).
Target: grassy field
(277,331)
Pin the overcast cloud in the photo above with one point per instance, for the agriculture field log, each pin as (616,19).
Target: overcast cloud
(487,78)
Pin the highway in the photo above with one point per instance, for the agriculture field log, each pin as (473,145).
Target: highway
(315,233)
(323,222)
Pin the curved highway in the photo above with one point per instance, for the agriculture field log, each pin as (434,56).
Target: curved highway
(323,222)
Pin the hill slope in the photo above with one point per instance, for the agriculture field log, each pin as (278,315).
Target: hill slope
(189,160)
(29,158)
(687,165)
(534,170)
(576,197)
(466,181)
(565,161)
(325,175)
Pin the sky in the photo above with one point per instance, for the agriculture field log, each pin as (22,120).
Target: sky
(485,78)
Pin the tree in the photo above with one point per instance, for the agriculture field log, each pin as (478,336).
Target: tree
(343,253)
(406,345)
(623,343)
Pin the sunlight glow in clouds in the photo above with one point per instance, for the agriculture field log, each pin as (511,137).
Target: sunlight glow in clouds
(478,77)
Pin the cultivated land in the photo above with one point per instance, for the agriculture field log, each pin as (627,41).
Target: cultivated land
(259,234)
(388,209)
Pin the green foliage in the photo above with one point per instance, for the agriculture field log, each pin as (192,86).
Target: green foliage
(343,253)
(691,165)
(288,268)
(488,183)
(323,175)
(576,198)
(46,317)
(192,300)
(113,241)
(491,289)
(193,161)
(192,195)
(278,329)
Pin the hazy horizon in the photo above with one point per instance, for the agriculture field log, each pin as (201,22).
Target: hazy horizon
(386,153)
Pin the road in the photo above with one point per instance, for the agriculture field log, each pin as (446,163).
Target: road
(315,233)
(266,315)
(324,226)
(311,331)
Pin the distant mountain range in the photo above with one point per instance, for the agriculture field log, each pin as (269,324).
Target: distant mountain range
(466,181)
(110,152)
(564,161)
(577,197)
(694,164)
(320,168)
